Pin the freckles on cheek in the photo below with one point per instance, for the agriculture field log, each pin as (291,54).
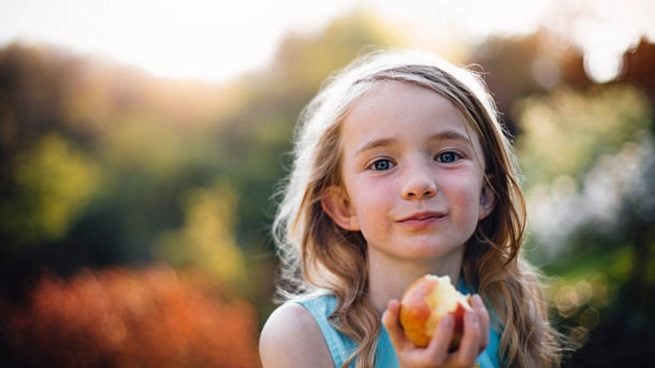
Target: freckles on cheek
(375,224)
(372,234)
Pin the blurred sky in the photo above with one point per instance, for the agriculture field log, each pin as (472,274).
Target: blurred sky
(215,40)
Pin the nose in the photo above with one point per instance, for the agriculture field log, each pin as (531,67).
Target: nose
(419,183)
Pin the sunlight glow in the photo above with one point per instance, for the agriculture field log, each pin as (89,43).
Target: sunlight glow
(602,67)
(216,40)
(198,39)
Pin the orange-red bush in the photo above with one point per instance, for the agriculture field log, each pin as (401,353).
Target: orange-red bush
(137,318)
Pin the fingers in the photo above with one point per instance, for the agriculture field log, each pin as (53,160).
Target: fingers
(476,333)
(470,344)
(483,318)
(435,353)
(474,339)
(438,347)
(392,324)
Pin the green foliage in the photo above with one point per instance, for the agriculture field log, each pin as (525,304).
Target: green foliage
(205,242)
(588,156)
(566,132)
(54,183)
(304,61)
(614,265)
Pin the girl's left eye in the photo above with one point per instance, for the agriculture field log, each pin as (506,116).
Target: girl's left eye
(448,157)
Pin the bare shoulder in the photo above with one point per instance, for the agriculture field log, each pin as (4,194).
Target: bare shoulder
(291,338)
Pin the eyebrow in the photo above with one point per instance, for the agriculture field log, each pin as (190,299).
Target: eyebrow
(443,136)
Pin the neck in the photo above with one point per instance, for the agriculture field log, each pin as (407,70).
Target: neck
(389,278)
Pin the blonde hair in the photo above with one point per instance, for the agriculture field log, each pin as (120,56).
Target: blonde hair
(317,254)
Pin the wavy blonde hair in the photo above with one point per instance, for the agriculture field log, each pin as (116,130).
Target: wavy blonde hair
(317,254)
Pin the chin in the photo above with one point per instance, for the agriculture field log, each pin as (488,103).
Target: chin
(429,250)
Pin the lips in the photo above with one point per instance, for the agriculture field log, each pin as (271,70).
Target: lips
(422,217)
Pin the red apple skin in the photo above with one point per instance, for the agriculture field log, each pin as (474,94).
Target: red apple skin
(415,313)
(458,330)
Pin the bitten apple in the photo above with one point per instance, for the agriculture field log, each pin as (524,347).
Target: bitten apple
(425,303)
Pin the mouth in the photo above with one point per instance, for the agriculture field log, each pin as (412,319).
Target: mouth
(422,217)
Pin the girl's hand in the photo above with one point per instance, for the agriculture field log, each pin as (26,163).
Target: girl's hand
(474,339)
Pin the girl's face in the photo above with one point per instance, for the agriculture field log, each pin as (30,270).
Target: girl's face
(413,175)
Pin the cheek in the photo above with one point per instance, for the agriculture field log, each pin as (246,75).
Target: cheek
(367,194)
(371,205)
(467,198)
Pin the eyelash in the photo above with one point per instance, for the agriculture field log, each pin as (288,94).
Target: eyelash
(375,163)
(439,157)
(388,164)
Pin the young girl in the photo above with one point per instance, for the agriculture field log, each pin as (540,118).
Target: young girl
(401,168)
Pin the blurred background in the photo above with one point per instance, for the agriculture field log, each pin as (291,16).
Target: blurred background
(141,144)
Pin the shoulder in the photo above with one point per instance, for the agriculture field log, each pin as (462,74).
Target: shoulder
(292,338)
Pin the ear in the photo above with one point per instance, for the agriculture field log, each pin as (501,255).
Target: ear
(336,204)
(487,202)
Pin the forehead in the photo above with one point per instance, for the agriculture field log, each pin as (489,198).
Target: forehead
(389,105)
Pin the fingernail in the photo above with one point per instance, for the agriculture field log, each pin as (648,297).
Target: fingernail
(477,301)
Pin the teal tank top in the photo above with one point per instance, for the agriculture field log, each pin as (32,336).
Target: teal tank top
(341,346)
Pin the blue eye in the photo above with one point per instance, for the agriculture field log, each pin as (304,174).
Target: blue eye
(448,157)
(381,165)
